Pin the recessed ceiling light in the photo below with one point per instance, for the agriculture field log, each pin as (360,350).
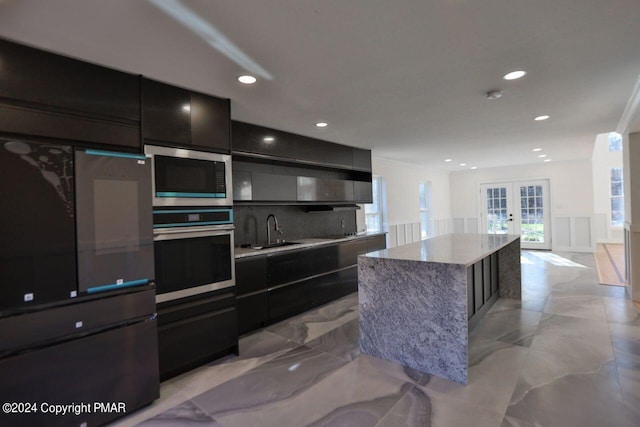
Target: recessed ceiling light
(547,160)
(268,139)
(186,107)
(542,155)
(463,164)
(247,79)
(540,118)
(514,75)
(448,160)
(537,149)
(322,124)
(474,167)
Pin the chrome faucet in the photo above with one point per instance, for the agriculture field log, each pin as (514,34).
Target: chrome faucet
(276,227)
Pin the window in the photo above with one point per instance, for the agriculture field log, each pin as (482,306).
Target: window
(615,141)
(373,211)
(617,198)
(425,208)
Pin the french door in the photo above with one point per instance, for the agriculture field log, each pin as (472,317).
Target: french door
(520,207)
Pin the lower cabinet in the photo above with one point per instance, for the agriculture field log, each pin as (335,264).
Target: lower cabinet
(482,287)
(274,287)
(301,296)
(253,311)
(193,331)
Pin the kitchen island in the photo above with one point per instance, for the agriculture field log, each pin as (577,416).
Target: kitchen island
(419,301)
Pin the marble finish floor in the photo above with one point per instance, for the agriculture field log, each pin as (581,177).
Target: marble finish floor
(568,354)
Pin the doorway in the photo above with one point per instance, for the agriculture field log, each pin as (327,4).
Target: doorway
(518,207)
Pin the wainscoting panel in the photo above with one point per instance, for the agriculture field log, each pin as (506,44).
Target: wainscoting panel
(573,233)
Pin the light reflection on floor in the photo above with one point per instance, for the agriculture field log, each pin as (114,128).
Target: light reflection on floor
(551,258)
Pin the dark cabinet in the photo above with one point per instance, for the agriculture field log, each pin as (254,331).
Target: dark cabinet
(49,95)
(254,139)
(196,330)
(179,117)
(276,166)
(166,113)
(284,146)
(349,252)
(338,155)
(362,159)
(210,123)
(310,150)
(482,287)
(277,286)
(312,189)
(253,311)
(251,274)
(290,300)
(273,187)
(376,243)
(251,287)
(362,192)
(49,80)
(297,265)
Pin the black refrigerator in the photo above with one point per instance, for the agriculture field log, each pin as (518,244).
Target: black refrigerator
(77,299)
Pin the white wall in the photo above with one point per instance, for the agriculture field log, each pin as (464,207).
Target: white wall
(403,201)
(602,162)
(571,197)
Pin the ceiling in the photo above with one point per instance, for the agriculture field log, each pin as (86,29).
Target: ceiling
(404,78)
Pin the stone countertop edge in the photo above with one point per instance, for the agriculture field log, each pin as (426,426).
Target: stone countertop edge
(304,244)
(384,253)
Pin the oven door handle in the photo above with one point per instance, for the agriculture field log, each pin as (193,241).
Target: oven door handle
(170,234)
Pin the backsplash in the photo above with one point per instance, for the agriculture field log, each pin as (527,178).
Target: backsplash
(294,221)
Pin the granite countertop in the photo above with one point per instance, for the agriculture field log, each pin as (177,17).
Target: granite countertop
(300,244)
(464,249)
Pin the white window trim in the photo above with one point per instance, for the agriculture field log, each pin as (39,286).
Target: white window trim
(379,214)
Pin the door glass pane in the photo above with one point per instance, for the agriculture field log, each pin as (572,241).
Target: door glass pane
(532,221)
(497,211)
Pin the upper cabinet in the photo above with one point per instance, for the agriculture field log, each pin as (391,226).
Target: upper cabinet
(178,117)
(362,159)
(49,95)
(255,140)
(272,166)
(167,113)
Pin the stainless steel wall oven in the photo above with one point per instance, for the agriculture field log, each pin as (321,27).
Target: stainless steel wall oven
(193,251)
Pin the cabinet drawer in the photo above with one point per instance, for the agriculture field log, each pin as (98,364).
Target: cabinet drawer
(349,252)
(119,365)
(28,330)
(190,342)
(253,312)
(177,310)
(251,274)
(376,243)
(294,299)
(292,266)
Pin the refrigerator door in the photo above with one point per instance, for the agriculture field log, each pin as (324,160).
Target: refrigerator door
(37,247)
(114,220)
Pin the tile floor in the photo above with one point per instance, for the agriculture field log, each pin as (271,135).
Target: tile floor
(568,354)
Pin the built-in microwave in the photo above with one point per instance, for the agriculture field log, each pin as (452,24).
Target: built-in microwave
(190,178)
